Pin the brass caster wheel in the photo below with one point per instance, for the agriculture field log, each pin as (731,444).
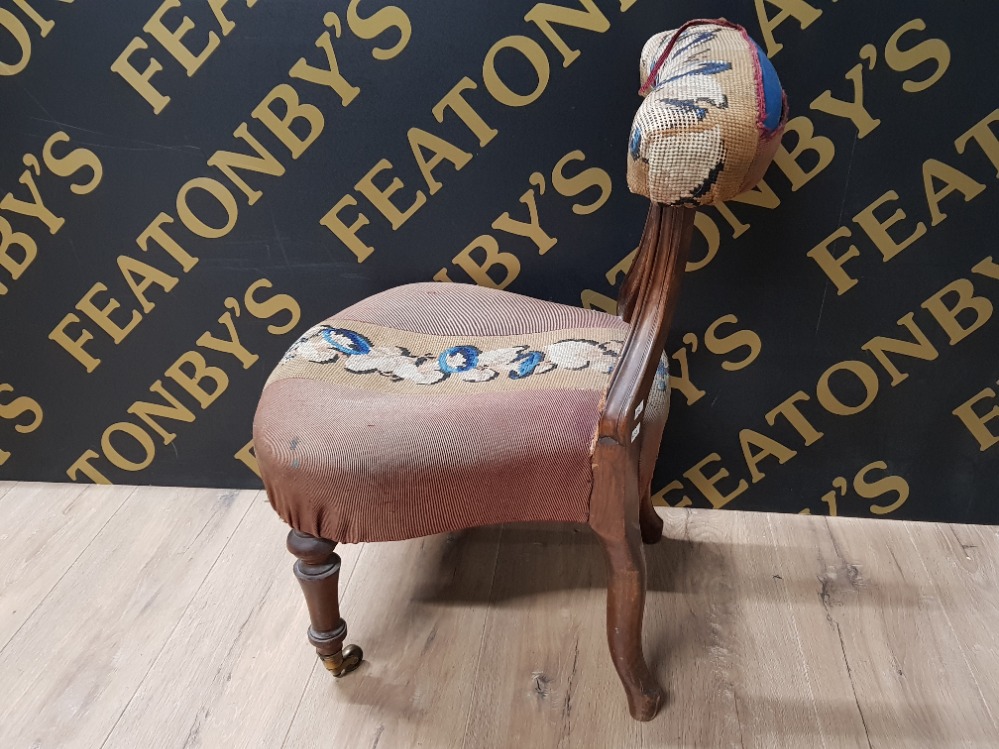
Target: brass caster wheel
(352,657)
(342,663)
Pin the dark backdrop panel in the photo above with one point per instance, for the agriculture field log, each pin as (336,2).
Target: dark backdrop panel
(777,404)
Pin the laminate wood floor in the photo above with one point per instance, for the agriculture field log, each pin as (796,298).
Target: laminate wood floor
(150,617)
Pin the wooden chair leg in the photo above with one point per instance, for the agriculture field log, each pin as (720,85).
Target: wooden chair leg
(625,609)
(318,572)
(651,523)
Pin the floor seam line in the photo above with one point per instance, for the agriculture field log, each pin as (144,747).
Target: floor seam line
(173,629)
(68,567)
(801,650)
(953,631)
(298,705)
(482,637)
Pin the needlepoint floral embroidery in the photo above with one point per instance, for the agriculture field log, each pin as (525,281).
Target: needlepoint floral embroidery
(358,354)
(711,119)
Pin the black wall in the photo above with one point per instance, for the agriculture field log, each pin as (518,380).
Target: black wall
(768,316)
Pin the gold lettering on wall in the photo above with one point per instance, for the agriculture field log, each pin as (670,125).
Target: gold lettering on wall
(801,11)
(248,457)
(18,248)
(195,380)
(959,310)
(294,114)
(24,411)
(976,415)
(13,26)
(483,260)
(206,206)
(545,17)
(889,488)
(185,43)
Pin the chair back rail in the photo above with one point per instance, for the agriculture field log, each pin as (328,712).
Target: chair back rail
(655,291)
(635,280)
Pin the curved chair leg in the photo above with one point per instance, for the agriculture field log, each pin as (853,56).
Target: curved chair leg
(652,524)
(625,609)
(318,572)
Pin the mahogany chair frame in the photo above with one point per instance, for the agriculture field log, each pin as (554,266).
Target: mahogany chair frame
(621,512)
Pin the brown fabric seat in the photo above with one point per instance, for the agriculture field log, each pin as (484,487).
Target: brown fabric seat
(435,407)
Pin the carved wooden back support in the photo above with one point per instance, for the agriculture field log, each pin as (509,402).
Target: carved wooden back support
(647,300)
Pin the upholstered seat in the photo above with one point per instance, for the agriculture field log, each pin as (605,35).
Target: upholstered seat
(435,407)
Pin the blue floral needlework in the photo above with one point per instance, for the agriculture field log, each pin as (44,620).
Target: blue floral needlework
(458,359)
(325,344)
(689,73)
(635,145)
(685,109)
(346,341)
(661,381)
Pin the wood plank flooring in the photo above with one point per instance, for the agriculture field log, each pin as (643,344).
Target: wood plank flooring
(149,617)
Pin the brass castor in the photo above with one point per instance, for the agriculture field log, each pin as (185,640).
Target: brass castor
(342,663)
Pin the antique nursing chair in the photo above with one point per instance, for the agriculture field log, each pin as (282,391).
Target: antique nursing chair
(436,407)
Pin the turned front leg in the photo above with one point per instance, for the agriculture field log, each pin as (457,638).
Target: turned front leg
(318,572)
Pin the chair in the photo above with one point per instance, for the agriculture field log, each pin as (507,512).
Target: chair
(432,408)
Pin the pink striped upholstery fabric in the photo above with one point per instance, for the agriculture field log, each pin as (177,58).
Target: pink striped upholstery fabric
(436,407)
(465,309)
